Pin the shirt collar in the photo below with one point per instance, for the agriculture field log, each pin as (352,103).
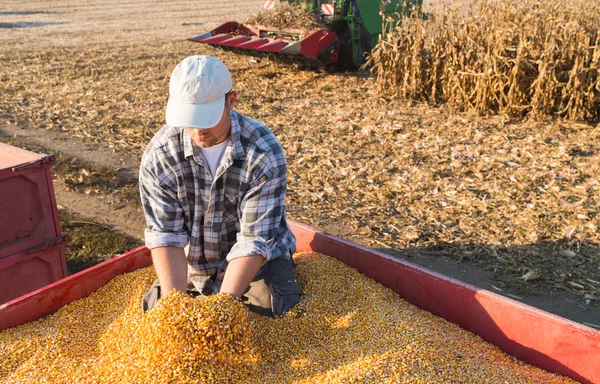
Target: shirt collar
(238,152)
(188,147)
(236,134)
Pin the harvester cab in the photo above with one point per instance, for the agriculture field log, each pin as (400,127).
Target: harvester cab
(342,31)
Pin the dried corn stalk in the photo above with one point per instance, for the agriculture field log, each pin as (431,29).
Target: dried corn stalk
(507,57)
(285,16)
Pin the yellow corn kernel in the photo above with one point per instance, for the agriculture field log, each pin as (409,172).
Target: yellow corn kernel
(346,329)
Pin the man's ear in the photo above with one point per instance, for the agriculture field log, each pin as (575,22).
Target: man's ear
(232,99)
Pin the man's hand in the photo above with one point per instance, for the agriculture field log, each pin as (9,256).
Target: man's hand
(240,272)
(171,267)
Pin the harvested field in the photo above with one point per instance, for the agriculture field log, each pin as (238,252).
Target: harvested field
(347,328)
(76,23)
(522,197)
(518,198)
(518,58)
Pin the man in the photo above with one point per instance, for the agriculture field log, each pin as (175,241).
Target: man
(213,185)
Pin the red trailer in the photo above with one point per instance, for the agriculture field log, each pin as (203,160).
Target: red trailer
(534,336)
(31,243)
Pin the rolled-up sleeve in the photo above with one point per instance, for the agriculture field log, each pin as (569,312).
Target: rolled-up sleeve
(262,209)
(163,212)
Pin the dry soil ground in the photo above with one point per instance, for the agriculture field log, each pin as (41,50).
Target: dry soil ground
(79,24)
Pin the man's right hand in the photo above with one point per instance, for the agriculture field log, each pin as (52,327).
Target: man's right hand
(170,264)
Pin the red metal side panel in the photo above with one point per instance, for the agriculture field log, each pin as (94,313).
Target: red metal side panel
(28,214)
(26,210)
(534,336)
(316,42)
(49,299)
(27,271)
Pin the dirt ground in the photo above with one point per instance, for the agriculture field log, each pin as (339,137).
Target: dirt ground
(79,24)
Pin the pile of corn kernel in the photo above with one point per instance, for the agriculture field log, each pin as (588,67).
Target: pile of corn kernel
(347,329)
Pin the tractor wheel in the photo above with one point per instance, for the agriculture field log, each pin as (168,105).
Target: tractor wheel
(346,58)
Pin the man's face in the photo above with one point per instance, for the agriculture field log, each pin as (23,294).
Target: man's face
(219,133)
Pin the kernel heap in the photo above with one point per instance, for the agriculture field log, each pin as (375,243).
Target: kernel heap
(347,328)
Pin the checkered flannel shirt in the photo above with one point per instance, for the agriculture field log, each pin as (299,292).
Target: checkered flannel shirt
(240,212)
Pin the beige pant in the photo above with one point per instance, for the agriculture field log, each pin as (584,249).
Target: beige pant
(272,292)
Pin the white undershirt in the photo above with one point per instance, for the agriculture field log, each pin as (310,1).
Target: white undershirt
(213,155)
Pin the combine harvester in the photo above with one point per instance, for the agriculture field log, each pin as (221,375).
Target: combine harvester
(350,29)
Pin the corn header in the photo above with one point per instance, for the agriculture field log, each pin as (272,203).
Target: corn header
(347,31)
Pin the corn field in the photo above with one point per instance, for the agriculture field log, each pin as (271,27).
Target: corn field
(520,58)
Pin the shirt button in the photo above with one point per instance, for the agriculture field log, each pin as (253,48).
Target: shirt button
(209,222)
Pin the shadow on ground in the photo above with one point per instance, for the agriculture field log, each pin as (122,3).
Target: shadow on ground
(27,24)
(25,13)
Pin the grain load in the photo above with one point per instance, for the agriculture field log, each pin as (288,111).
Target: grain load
(347,328)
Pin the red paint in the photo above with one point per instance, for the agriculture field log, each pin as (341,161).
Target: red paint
(28,223)
(327,9)
(265,39)
(534,336)
(217,39)
(26,272)
(253,43)
(235,41)
(269,4)
(317,41)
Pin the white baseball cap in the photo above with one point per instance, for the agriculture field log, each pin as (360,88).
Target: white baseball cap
(197,92)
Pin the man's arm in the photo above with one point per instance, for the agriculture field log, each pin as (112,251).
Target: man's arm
(170,264)
(240,273)
(166,234)
(263,209)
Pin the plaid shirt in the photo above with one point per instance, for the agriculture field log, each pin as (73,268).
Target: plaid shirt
(240,212)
